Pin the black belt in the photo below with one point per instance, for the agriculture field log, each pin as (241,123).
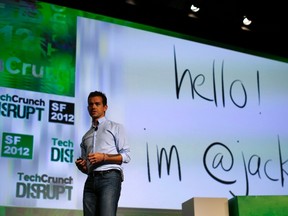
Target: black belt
(96,173)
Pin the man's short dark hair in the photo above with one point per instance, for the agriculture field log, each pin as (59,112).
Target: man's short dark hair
(99,94)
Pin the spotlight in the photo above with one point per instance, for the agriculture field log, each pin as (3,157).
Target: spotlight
(193,11)
(246,21)
(194,8)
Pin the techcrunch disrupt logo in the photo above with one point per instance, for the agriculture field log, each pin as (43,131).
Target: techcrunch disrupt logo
(43,187)
(19,107)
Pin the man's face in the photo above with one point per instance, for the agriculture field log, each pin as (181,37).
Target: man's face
(96,108)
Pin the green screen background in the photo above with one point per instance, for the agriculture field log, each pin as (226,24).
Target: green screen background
(38,46)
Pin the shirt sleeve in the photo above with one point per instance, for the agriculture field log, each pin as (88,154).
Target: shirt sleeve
(123,147)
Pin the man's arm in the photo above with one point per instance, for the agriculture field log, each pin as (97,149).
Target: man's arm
(102,158)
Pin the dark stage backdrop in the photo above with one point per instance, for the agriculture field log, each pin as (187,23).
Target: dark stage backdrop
(201,120)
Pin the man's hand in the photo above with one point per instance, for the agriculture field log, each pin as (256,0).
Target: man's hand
(96,158)
(81,165)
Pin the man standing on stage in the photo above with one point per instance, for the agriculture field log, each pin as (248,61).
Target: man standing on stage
(103,149)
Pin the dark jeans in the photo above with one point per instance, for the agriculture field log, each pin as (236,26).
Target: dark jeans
(101,194)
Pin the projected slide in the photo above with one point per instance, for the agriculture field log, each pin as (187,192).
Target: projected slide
(202,121)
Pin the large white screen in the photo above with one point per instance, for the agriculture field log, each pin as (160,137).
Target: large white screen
(230,108)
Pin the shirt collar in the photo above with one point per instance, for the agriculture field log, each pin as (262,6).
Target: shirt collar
(100,121)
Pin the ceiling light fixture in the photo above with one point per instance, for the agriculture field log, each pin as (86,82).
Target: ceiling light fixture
(194,8)
(246,21)
(193,11)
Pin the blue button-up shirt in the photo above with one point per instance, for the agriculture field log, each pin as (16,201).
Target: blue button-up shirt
(109,137)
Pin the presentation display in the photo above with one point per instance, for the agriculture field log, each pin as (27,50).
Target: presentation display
(201,120)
